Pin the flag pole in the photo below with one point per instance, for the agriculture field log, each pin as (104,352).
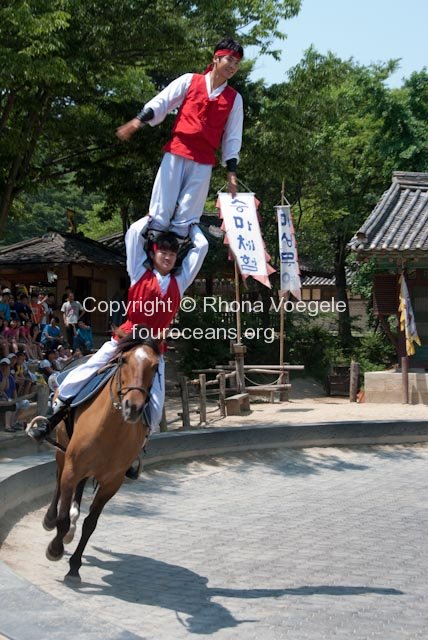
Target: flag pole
(281,310)
(238,305)
(239,349)
(282,376)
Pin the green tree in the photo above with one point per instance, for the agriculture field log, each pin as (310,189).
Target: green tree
(331,133)
(71,71)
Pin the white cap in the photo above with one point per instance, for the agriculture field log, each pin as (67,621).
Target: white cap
(5,361)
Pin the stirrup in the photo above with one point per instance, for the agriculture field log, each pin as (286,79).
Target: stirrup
(38,432)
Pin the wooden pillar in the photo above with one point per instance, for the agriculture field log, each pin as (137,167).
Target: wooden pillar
(222,393)
(284,379)
(354,381)
(405,378)
(185,401)
(202,398)
(239,351)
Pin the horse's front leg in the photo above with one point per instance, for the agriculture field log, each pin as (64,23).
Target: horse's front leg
(103,495)
(49,521)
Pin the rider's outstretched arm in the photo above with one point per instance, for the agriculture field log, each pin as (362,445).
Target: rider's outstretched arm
(194,259)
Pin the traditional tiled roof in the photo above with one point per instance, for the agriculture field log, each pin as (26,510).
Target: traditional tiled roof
(399,222)
(114,241)
(60,248)
(317,281)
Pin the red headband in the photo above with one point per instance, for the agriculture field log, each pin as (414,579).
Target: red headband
(227,52)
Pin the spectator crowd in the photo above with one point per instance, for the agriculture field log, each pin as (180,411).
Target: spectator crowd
(33,347)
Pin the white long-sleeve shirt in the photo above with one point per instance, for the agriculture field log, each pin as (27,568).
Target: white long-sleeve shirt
(172,97)
(136,256)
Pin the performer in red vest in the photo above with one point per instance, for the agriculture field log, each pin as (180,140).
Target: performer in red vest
(210,113)
(153,300)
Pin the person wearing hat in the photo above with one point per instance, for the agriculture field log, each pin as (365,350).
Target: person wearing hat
(8,394)
(210,114)
(152,287)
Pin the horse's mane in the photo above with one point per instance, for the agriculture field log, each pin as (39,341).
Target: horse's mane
(130,340)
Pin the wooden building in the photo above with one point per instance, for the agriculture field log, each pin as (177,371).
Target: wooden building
(57,260)
(395,236)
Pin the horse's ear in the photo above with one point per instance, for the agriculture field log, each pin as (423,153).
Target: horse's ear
(120,333)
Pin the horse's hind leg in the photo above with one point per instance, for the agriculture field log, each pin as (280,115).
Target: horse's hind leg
(75,511)
(102,496)
(49,521)
(55,549)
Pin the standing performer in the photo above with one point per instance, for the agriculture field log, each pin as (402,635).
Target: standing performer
(211,113)
(153,300)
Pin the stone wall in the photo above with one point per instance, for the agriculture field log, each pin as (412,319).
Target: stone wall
(387,387)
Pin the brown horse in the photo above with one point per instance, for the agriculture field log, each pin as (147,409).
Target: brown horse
(108,435)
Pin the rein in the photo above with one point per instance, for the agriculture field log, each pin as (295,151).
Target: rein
(122,391)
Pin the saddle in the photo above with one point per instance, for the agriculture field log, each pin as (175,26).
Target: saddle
(95,384)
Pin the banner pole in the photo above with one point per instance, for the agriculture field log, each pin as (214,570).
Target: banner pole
(239,349)
(282,310)
(238,305)
(283,377)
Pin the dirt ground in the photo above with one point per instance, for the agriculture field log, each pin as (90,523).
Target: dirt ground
(308,403)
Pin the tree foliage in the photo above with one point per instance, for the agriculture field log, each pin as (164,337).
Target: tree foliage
(334,132)
(71,71)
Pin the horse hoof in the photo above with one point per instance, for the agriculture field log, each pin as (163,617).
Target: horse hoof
(52,557)
(48,525)
(69,536)
(72,578)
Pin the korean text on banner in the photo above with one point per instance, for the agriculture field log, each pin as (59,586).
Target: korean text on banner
(244,237)
(290,270)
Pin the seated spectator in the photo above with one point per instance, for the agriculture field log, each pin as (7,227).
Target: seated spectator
(83,339)
(23,377)
(25,340)
(11,333)
(4,344)
(51,335)
(23,309)
(48,365)
(8,394)
(12,358)
(64,356)
(35,336)
(5,305)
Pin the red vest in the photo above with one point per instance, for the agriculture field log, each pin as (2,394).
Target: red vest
(147,305)
(200,122)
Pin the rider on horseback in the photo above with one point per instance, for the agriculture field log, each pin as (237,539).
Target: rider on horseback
(151,288)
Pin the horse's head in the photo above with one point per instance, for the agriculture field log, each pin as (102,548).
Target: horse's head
(137,365)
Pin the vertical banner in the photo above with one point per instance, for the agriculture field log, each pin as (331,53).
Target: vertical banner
(407,319)
(290,271)
(243,234)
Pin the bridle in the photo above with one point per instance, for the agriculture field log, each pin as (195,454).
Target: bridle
(122,391)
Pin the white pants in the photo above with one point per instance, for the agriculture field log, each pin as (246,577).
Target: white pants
(179,194)
(77,378)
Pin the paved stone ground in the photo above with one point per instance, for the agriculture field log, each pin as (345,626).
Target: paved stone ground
(298,544)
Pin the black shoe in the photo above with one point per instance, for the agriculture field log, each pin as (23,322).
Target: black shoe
(39,431)
(185,244)
(41,427)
